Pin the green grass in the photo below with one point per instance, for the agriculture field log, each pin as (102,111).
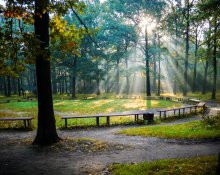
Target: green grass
(189,166)
(204,97)
(189,130)
(77,107)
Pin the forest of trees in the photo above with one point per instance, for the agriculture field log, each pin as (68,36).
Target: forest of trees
(111,46)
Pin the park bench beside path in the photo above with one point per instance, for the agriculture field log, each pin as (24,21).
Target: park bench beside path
(200,105)
(26,120)
(136,113)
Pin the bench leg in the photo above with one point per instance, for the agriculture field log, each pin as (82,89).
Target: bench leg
(97,121)
(179,112)
(195,109)
(108,121)
(25,124)
(65,122)
(160,115)
(165,114)
(174,111)
(183,111)
(29,123)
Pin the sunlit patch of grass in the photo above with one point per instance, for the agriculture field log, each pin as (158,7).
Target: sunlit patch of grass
(86,107)
(189,130)
(190,166)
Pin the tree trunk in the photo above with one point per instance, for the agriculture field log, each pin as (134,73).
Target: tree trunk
(185,88)
(207,62)
(19,87)
(9,86)
(154,65)
(54,81)
(147,58)
(195,63)
(66,84)
(5,87)
(14,86)
(159,71)
(176,57)
(107,80)
(98,88)
(205,77)
(127,75)
(117,76)
(73,87)
(46,131)
(214,60)
(84,86)
(74,79)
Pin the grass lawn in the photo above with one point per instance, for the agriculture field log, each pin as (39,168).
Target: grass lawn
(189,166)
(79,107)
(189,130)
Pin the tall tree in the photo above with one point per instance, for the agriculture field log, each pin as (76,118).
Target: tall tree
(185,89)
(147,62)
(46,130)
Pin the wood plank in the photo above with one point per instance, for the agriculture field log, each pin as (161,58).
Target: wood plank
(18,118)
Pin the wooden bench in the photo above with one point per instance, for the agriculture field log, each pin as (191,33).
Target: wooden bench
(194,101)
(107,116)
(27,120)
(199,105)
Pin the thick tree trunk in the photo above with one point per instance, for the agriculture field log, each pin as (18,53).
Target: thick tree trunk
(185,88)
(46,131)
(147,66)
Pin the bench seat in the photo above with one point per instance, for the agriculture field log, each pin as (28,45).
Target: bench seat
(199,105)
(136,113)
(27,120)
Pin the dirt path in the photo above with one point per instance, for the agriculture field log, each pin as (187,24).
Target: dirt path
(22,159)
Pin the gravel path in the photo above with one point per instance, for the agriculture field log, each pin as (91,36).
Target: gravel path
(23,159)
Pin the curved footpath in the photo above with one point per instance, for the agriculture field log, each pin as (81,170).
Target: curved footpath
(20,159)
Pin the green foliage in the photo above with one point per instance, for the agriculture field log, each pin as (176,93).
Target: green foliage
(20,46)
(212,122)
(190,166)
